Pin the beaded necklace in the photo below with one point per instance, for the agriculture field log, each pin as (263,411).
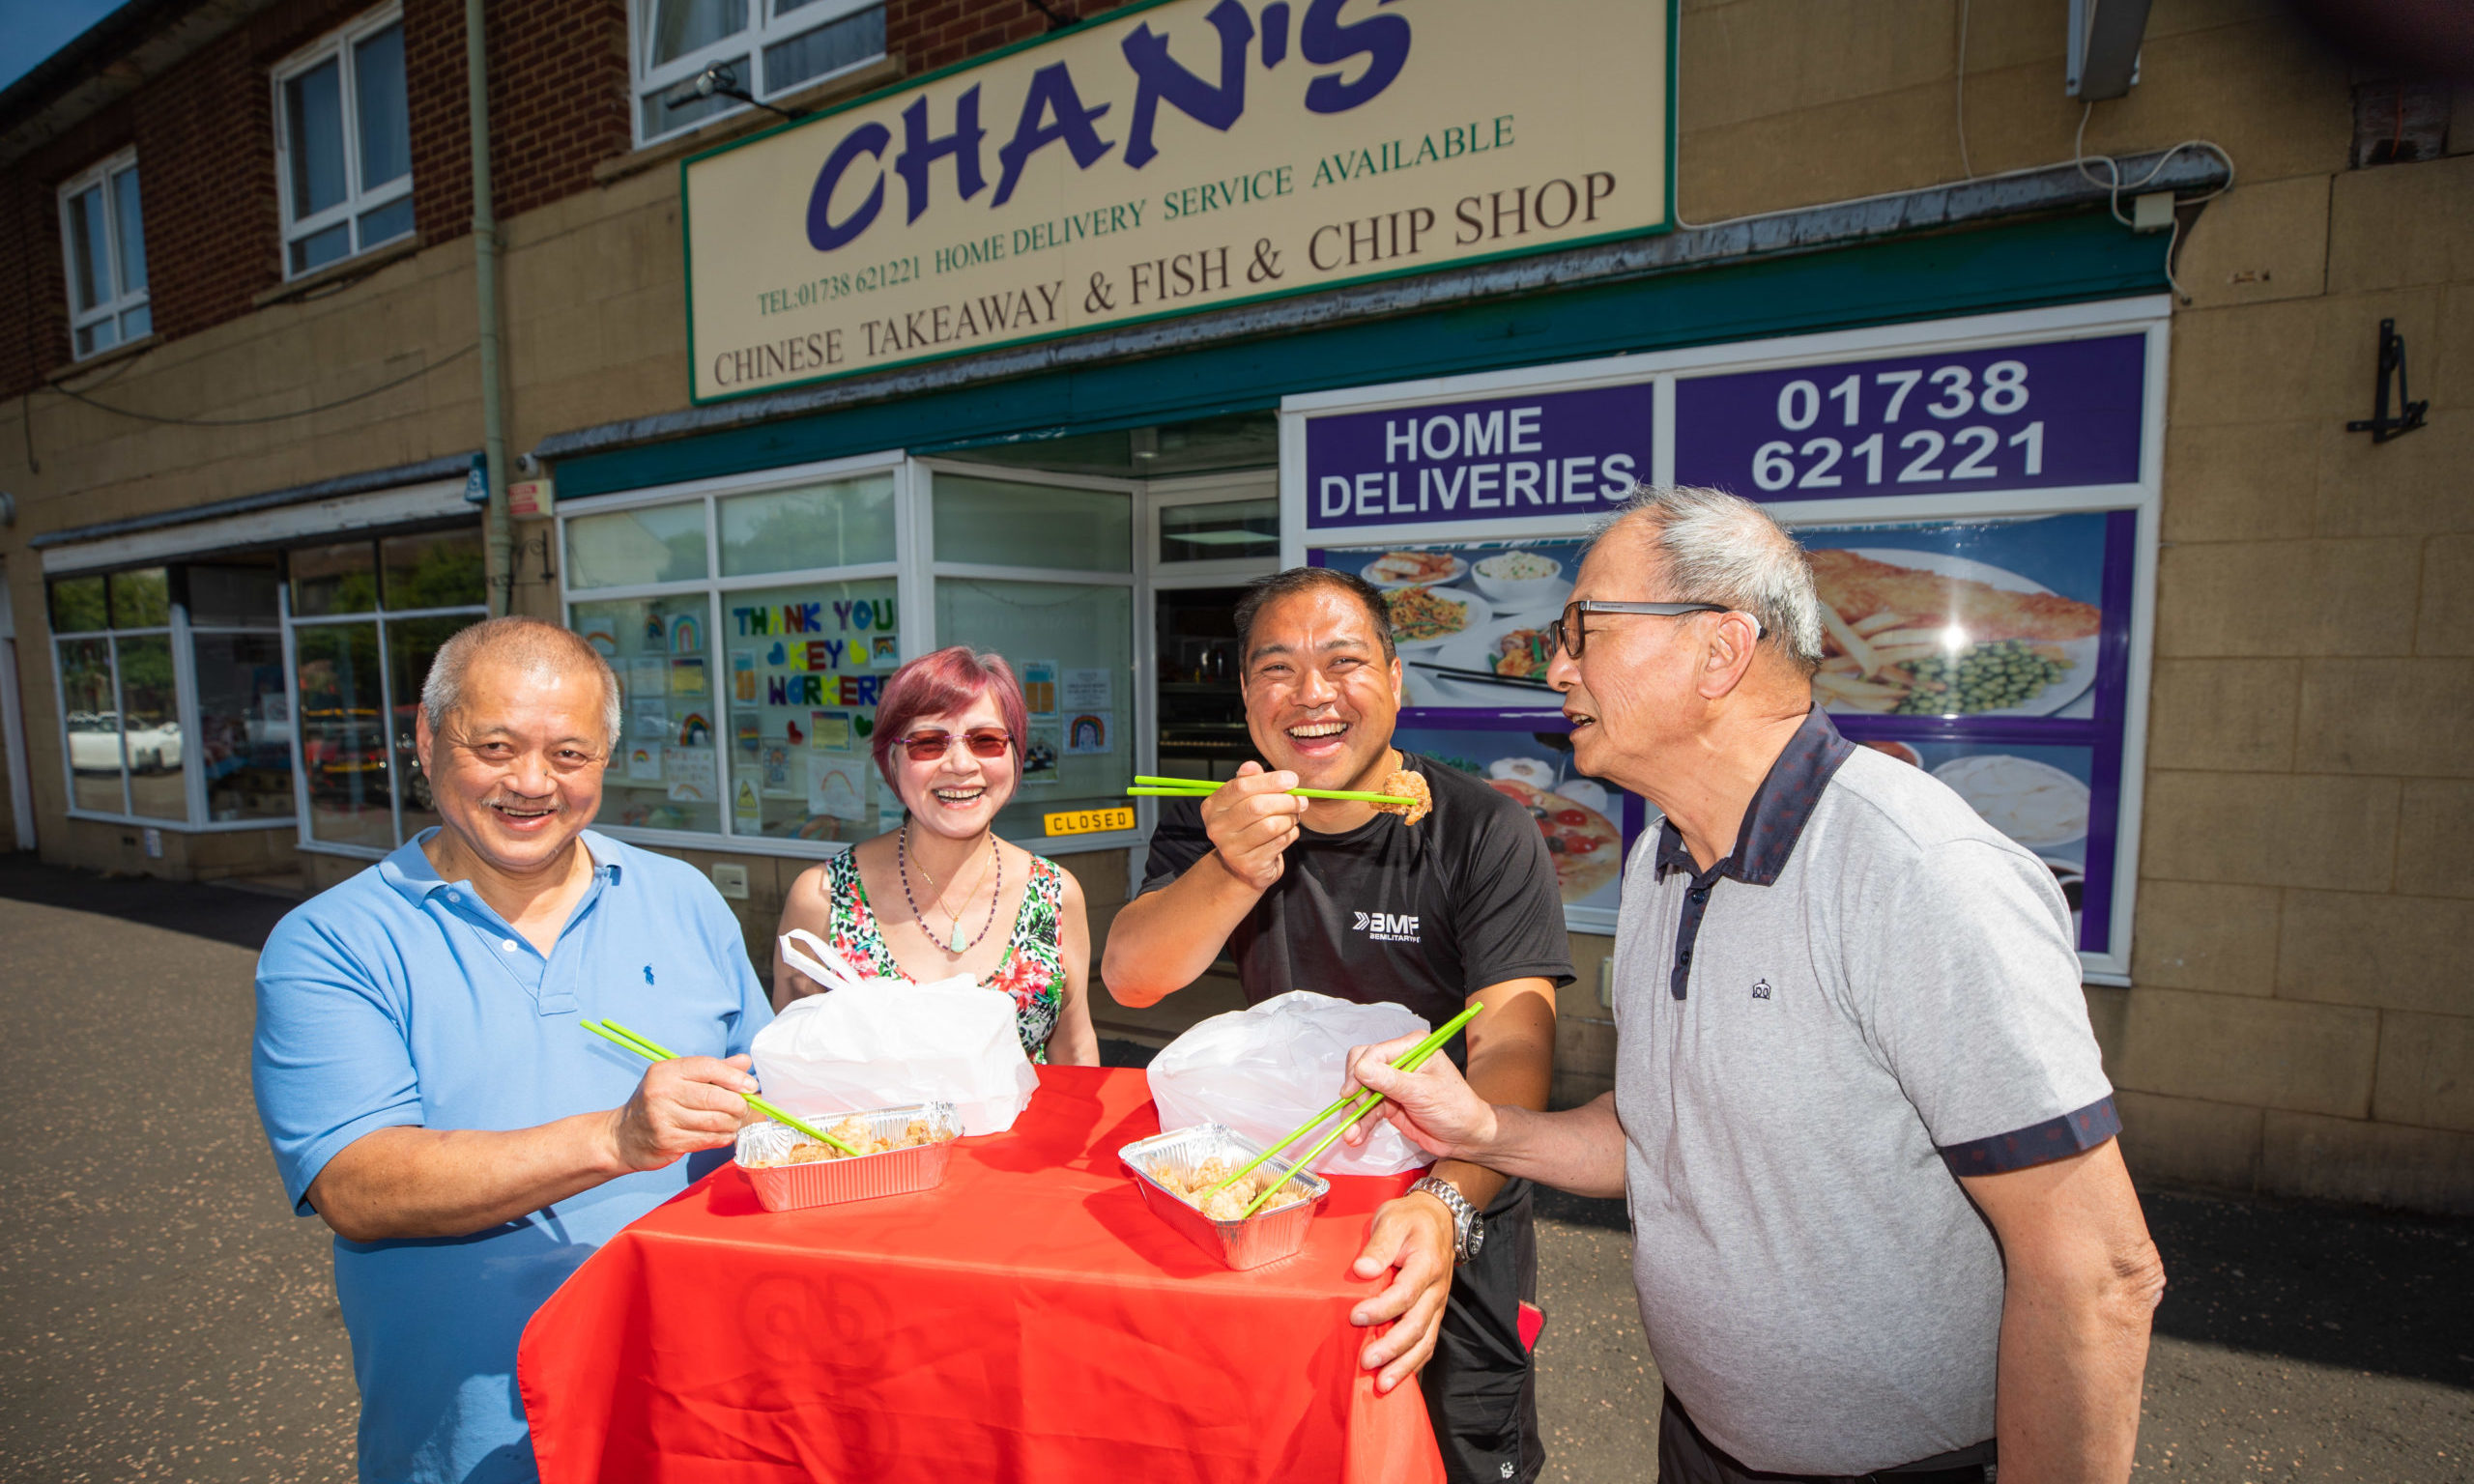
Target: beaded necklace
(902,867)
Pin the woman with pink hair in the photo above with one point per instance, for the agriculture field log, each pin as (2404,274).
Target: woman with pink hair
(942,894)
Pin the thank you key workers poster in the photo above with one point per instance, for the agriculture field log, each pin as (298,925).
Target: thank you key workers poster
(1170,158)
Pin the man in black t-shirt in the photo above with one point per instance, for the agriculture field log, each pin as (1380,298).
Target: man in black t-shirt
(1330,895)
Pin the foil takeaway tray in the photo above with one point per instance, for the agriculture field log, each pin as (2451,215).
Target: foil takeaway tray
(1260,1240)
(848,1178)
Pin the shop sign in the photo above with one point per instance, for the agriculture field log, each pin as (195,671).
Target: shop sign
(1170,158)
(2062,415)
(1549,453)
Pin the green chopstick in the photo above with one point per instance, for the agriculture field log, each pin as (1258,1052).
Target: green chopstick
(1409,1060)
(1156,792)
(653,1051)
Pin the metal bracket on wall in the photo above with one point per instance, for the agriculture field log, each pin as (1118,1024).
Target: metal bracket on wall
(2392,365)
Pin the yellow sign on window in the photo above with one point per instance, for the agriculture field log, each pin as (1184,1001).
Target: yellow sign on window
(1089,821)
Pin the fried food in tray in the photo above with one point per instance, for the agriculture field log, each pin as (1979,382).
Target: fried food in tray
(855,1131)
(1230,1204)
(1416,800)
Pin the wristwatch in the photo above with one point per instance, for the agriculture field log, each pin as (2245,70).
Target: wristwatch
(1468,1233)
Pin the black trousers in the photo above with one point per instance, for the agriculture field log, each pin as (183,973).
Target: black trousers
(1686,1457)
(1482,1393)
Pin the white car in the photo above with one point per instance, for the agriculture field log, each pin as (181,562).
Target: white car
(95,744)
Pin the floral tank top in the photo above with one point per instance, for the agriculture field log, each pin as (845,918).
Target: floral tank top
(1032,971)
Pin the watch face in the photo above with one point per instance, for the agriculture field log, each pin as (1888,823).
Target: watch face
(1476,1240)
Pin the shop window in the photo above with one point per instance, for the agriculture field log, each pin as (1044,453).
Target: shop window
(1221,531)
(105,237)
(367,619)
(343,144)
(90,713)
(999,523)
(172,695)
(804,667)
(343,734)
(768,47)
(341,579)
(752,663)
(1072,645)
(845,524)
(435,569)
(666,773)
(636,548)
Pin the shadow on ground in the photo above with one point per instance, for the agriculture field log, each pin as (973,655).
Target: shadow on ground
(225,914)
(2365,1291)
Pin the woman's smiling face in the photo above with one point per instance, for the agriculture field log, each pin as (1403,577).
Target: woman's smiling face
(958,794)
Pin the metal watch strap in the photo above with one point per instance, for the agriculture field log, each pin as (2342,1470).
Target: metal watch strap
(1465,1233)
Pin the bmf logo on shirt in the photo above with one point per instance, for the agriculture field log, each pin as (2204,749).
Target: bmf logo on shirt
(1387,927)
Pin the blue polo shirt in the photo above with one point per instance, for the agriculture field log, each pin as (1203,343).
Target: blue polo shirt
(401,999)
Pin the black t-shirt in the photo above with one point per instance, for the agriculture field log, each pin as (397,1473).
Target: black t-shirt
(1421,915)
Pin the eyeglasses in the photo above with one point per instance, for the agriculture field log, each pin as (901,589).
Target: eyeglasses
(1569,636)
(931,746)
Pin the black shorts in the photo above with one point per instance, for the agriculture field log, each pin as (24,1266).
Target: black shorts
(1686,1457)
(1480,1390)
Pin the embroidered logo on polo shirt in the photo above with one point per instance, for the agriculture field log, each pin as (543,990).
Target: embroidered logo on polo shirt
(649,973)
(1387,927)
(1761,988)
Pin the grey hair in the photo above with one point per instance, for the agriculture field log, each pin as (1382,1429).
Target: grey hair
(529,644)
(1714,547)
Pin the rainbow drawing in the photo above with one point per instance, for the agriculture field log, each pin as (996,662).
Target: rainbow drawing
(686,634)
(694,731)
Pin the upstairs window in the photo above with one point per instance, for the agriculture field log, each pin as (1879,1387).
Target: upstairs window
(100,231)
(343,143)
(764,48)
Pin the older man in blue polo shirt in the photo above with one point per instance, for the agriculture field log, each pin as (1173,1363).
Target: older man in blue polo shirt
(421,1072)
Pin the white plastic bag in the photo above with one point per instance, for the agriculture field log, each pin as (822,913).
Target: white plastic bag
(880,1042)
(1264,1071)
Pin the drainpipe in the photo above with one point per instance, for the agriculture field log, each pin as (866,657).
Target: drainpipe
(485,273)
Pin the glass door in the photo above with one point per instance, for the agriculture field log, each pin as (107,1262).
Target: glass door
(1042,568)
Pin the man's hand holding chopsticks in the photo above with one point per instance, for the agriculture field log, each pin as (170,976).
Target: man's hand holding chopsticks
(1433,1106)
(692,1103)
(1251,819)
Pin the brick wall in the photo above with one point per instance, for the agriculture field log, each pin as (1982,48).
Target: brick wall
(560,98)
(205,138)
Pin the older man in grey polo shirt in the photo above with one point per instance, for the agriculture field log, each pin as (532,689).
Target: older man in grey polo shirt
(1879,1219)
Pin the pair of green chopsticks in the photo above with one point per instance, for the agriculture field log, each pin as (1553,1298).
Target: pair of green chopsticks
(653,1051)
(1147,786)
(1356,1102)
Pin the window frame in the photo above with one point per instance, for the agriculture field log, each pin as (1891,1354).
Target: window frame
(181,635)
(766,28)
(380,615)
(103,175)
(337,46)
(914,571)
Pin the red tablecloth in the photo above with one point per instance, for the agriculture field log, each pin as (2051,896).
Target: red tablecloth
(1028,1320)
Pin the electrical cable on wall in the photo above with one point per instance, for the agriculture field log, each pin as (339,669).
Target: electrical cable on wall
(240,422)
(2114,185)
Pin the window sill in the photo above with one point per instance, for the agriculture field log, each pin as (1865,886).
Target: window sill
(334,274)
(121,352)
(867,77)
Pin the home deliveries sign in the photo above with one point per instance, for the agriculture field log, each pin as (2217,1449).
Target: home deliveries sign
(1168,158)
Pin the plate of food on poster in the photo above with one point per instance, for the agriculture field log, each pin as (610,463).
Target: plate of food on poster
(1414,567)
(1918,632)
(1423,617)
(1573,815)
(1501,662)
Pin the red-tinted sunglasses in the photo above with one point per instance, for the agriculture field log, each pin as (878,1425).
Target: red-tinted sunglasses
(931,746)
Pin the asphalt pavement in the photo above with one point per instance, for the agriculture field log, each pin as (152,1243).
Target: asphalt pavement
(164,1316)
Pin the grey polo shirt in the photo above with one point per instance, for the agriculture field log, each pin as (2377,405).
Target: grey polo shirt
(1874,994)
